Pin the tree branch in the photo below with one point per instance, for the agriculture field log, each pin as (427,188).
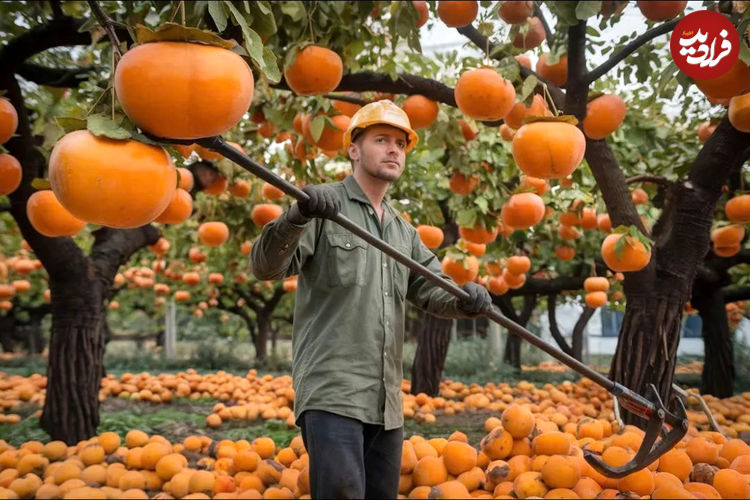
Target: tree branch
(628,49)
(654,179)
(274,300)
(529,303)
(506,306)
(57,11)
(577,95)
(611,180)
(54,77)
(583,320)
(114,247)
(250,298)
(470,32)
(107,24)
(346,98)
(547,31)
(553,327)
(538,286)
(736,293)
(405,84)
(722,264)
(60,32)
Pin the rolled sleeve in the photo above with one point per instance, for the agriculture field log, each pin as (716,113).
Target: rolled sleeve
(281,248)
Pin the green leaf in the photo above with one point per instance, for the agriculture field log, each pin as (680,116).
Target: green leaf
(564,11)
(509,68)
(263,20)
(316,126)
(103,126)
(586,9)
(482,204)
(528,86)
(466,217)
(620,246)
(40,184)
(295,10)
(272,71)
(69,124)
(88,24)
(254,46)
(171,32)
(218,14)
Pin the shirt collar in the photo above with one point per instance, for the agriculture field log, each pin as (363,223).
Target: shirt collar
(354,192)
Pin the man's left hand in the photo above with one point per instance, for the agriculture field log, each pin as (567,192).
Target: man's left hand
(479,300)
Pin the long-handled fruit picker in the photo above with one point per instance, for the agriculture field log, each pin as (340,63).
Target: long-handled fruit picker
(671,426)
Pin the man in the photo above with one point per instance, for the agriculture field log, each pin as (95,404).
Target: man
(349,312)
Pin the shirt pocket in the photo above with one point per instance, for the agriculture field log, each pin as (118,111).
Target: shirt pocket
(347,260)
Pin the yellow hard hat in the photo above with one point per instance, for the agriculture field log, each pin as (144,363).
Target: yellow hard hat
(381,112)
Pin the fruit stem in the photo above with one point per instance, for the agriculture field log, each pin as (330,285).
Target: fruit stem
(112,85)
(549,99)
(105,23)
(104,92)
(309,21)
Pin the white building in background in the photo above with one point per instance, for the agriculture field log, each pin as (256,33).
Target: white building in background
(603,327)
(600,333)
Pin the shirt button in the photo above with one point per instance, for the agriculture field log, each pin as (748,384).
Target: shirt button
(386,294)
(385,264)
(347,245)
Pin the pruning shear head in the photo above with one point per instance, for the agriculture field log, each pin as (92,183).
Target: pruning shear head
(667,426)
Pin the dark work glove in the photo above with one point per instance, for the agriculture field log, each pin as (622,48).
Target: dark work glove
(479,300)
(322,203)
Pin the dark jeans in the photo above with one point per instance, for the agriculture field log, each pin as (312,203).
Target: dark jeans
(350,459)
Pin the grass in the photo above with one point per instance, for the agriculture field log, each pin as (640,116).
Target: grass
(187,418)
(173,422)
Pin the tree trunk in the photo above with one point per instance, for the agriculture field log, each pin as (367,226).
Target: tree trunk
(261,338)
(76,354)
(512,354)
(432,348)
(7,327)
(34,336)
(274,336)
(71,407)
(647,347)
(578,329)
(717,378)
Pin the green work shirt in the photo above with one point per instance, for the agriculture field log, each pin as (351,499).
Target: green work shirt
(348,332)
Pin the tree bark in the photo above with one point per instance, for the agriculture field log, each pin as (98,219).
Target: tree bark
(76,354)
(553,327)
(717,378)
(261,339)
(578,329)
(647,347)
(432,347)
(512,354)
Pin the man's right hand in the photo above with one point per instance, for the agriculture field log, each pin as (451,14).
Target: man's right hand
(321,202)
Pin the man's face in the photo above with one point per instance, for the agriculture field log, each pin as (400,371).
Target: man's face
(381,151)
